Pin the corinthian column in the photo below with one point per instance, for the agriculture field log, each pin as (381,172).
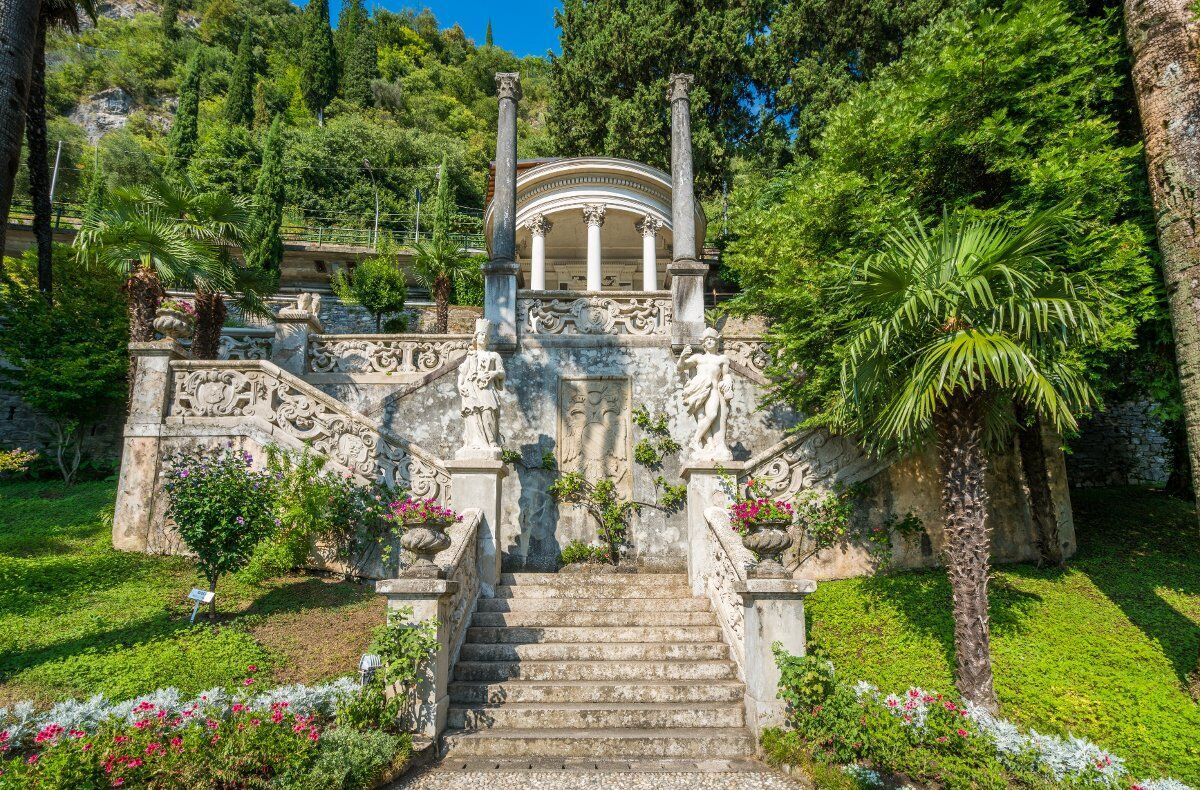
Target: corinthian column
(648,227)
(539,226)
(687,273)
(593,215)
(500,273)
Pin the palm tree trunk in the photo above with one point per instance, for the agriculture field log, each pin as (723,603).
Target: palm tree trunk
(963,465)
(441,297)
(210,318)
(143,294)
(1037,483)
(39,170)
(1164,39)
(18,26)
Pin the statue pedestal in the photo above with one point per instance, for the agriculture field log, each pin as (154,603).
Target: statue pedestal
(475,483)
(773,611)
(704,490)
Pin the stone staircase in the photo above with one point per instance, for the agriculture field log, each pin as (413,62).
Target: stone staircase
(585,668)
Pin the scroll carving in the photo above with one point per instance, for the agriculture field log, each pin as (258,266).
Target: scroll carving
(596,315)
(395,354)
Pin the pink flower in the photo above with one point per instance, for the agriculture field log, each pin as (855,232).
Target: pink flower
(118,781)
(141,724)
(49,733)
(87,747)
(942,739)
(238,707)
(255,722)
(120,738)
(962,733)
(177,742)
(313,735)
(252,668)
(32,759)
(248,682)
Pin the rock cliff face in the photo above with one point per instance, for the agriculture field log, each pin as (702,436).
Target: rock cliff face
(103,112)
(126,9)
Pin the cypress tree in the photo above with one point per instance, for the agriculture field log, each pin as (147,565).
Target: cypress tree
(170,18)
(362,63)
(487,36)
(318,59)
(185,131)
(97,192)
(443,206)
(239,102)
(264,248)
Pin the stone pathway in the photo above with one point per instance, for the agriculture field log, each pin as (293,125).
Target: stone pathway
(646,775)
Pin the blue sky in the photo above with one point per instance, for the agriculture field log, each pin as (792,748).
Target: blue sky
(525,27)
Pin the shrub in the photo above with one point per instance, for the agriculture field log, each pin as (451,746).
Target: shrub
(222,508)
(578,551)
(349,758)
(15,462)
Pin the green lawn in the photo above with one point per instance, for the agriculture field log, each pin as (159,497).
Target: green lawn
(1102,649)
(78,618)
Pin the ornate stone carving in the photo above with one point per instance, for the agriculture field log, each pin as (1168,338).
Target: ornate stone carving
(679,86)
(538,225)
(648,226)
(593,430)
(750,354)
(593,214)
(596,315)
(307,305)
(461,566)
(244,347)
(723,565)
(508,85)
(480,382)
(707,396)
(813,458)
(358,354)
(252,390)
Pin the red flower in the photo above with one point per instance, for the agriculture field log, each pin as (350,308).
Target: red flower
(252,668)
(963,733)
(248,682)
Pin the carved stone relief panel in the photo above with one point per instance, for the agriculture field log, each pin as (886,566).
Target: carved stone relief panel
(594,436)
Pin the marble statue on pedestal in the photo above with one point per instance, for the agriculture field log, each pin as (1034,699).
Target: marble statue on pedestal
(707,396)
(480,382)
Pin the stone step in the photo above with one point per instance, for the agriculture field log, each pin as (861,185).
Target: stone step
(497,671)
(584,593)
(592,619)
(591,605)
(593,714)
(583,579)
(706,742)
(587,691)
(522,635)
(616,651)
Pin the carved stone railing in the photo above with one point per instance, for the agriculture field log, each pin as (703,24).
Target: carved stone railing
(371,357)
(723,563)
(749,355)
(632,313)
(245,342)
(460,562)
(289,407)
(812,458)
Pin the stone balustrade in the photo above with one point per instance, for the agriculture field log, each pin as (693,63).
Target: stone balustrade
(382,358)
(449,602)
(608,313)
(245,342)
(289,408)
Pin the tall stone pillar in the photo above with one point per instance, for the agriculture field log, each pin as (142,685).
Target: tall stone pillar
(141,454)
(539,226)
(500,273)
(686,270)
(593,215)
(648,227)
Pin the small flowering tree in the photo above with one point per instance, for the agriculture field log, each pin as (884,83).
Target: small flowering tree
(222,508)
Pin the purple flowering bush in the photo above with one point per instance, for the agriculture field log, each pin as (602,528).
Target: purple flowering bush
(222,507)
(418,511)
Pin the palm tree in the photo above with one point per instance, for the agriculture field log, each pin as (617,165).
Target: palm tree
(960,326)
(64,13)
(217,222)
(439,260)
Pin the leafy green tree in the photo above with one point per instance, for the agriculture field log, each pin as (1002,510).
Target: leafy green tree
(439,260)
(239,101)
(318,60)
(67,360)
(264,248)
(362,66)
(97,190)
(185,131)
(377,284)
(610,81)
(170,18)
(949,331)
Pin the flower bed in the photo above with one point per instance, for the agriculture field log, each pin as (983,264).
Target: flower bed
(289,736)
(890,739)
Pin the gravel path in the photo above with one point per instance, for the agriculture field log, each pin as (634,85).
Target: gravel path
(440,777)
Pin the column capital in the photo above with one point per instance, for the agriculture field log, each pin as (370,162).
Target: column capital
(648,226)
(679,87)
(593,214)
(538,225)
(508,85)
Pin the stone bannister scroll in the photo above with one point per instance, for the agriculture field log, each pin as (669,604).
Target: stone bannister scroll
(562,315)
(219,395)
(369,359)
(449,602)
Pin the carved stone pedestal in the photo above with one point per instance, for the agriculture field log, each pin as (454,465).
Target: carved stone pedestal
(704,490)
(773,611)
(475,483)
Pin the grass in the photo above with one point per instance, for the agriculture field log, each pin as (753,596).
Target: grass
(77,617)
(1102,649)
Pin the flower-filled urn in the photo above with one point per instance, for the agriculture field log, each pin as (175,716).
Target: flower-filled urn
(423,524)
(175,319)
(763,524)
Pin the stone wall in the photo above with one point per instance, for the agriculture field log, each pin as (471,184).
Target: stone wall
(1123,445)
(21,427)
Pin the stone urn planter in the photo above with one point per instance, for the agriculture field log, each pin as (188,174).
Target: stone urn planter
(425,539)
(173,323)
(769,540)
